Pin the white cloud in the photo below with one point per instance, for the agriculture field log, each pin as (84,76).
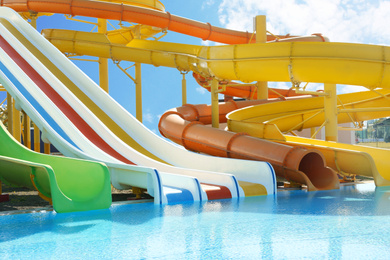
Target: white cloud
(206,43)
(208,3)
(342,89)
(282,85)
(353,21)
(201,90)
(341,20)
(148,117)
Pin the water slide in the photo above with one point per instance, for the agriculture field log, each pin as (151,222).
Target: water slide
(69,184)
(282,61)
(83,121)
(307,113)
(146,12)
(291,163)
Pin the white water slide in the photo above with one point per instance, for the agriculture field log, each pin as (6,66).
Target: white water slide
(62,101)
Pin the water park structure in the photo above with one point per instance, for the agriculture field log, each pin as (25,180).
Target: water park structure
(104,144)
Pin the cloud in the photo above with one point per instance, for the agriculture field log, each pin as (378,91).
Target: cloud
(352,21)
(207,4)
(206,43)
(148,117)
(340,20)
(201,90)
(342,89)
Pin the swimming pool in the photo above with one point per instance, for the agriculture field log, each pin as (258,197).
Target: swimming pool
(350,223)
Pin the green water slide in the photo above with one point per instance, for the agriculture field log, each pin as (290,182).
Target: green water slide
(71,184)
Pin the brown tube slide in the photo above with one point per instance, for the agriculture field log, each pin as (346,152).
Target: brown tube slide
(134,14)
(186,126)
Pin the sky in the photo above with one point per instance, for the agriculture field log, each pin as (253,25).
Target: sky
(353,21)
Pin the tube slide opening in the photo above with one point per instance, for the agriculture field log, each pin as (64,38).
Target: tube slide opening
(322,177)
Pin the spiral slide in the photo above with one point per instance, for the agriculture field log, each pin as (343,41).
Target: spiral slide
(308,113)
(42,80)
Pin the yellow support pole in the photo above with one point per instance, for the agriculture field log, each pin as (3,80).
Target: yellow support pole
(16,123)
(184,89)
(214,103)
(103,62)
(46,148)
(312,132)
(10,114)
(261,37)
(330,106)
(37,139)
(262,90)
(26,129)
(138,82)
(33,20)
(138,91)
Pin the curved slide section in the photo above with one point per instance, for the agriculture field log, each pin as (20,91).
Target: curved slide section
(83,127)
(141,12)
(321,62)
(69,184)
(185,126)
(306,113)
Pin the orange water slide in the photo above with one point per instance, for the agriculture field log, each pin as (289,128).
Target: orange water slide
(246,91)
(186,126)
(129,12)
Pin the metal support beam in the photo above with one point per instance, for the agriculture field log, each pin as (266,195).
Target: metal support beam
(10,115)
(37,139)
(138,91)
(138,82)
(16,123)
(214,103)
(184,89)
(330,106)
(33,20)
(46,148)
(262,90)
(103,62)
(26,130)
(261,37)
(313,132)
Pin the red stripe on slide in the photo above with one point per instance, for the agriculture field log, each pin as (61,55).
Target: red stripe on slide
(70,113)
(216,192)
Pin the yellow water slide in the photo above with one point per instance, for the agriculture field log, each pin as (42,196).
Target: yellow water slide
(274,120)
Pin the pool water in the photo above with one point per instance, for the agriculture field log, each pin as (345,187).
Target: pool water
(350,223)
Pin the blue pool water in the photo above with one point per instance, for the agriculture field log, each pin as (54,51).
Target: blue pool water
(350,223)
